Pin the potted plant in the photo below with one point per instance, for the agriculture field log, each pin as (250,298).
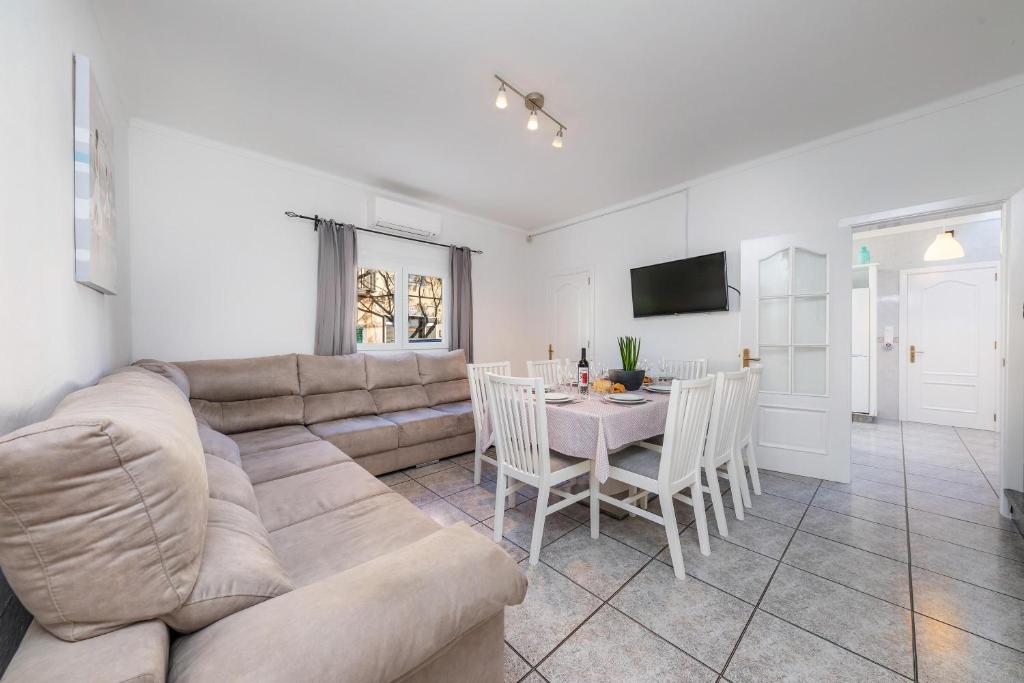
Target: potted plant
(628,376)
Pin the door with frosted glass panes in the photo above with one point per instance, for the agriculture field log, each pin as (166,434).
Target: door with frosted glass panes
(795,322)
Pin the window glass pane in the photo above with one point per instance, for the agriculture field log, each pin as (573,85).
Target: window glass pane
(775,375)
(426,310)
(809,320)
(773,274)
(773,322)
(810,272)
(810,370)
(375,306)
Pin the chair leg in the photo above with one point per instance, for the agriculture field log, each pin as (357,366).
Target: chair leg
(631,493)
(716,500)
(511,494)
(499,506)
(668,516)
(697,496)
(595,504)
(538,523)
(755,477)
(478,466)
(742,472)
(735,487)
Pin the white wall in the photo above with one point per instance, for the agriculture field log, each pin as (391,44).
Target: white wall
(56,335)
(954,151)
(219,271)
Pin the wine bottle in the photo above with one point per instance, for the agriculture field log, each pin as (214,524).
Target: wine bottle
(583,371)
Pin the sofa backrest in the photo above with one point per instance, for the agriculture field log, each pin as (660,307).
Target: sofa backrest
(444,376)
(104,506)
(334,387)
(394,382)
(244,394)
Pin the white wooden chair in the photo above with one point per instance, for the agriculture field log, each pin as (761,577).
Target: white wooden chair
(551,371)
(481,416)
(685,369)
(730,399)
(668,469)
(744,433)
(520,421)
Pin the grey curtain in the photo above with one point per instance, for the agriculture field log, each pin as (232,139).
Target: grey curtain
(336,290)
(462,300)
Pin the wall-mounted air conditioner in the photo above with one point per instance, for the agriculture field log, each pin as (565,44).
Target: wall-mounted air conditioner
(406,219)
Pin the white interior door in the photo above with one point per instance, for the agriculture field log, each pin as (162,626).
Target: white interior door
(949,362)
(570,315)
(795,318)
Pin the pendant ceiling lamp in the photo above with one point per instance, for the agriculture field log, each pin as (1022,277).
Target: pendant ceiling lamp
(534,102)
(944,248)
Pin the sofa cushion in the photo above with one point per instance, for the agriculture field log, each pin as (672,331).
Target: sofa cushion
(238,570)
(104,506)
(232,417)
(358,532)
(168,371)
(421,425)
(291,460)
(228,482)
(463,412)
(447,392)
(295,499)
(358,436)
(441,367)
(219,445)
(325,407)
(387,370)
(400,398)
(270,439)
(241,379)
(330,374)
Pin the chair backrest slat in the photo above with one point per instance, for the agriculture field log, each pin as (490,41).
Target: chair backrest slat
(520,422)
(746,423)
(730,399)
(686,369)
(551,371)
(686,428)
(478,395)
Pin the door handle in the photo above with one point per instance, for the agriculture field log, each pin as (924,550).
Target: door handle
(747,358)
(914,353)
(551,352)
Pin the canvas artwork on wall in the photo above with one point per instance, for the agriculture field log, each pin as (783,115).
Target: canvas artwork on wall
(95,217)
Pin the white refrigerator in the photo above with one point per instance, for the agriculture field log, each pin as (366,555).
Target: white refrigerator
(860,351)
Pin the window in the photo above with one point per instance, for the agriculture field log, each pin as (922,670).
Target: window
(380,295)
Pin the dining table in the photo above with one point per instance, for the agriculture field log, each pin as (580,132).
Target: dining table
(592,427)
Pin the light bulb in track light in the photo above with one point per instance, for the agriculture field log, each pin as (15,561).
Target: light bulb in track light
(501,101)
(532,123)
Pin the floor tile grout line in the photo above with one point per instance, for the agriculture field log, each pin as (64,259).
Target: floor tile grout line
(975,461)
(764,591)
(972,633)
(910,564)
(966,582)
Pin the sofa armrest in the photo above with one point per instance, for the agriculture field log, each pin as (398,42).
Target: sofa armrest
(373,622)
(137,652)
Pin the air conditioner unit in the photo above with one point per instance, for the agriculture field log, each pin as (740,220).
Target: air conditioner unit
(406,219)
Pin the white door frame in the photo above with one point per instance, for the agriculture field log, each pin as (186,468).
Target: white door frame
(593,305)
(904,366)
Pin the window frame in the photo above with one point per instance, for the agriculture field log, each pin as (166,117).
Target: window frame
(402,272)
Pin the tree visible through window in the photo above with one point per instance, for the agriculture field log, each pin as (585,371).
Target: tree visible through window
(375,315)
(426,309)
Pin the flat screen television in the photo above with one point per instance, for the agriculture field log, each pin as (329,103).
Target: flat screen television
(690,285)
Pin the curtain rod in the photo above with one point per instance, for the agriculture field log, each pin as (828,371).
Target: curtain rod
(317,219)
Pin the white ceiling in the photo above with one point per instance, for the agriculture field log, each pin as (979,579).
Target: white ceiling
(400,94)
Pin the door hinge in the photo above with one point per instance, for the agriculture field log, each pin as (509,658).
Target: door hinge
(995,345)
(994,417)
(1004,362)
(996,276)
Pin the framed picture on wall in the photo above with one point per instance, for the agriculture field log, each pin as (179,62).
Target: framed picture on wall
(95,215)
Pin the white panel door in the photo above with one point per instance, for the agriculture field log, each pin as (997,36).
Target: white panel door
(795,319)
(950,354)
(570,315)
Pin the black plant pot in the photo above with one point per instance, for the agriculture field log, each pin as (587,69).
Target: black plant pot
(631,379)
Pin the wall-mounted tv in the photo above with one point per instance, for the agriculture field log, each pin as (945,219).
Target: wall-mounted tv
(691,285)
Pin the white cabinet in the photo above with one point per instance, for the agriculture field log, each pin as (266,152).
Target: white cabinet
(863,346)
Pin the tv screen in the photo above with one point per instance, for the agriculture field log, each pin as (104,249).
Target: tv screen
(691,285)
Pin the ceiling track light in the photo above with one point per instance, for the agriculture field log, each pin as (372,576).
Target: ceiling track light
(534,102)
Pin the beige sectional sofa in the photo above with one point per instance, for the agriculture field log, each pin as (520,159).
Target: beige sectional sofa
(218,521)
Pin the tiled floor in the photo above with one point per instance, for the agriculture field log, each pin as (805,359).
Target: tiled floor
(908,572)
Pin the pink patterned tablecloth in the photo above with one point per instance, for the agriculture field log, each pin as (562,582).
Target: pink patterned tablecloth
(593,427)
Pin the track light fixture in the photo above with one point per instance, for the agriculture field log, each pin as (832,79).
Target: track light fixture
(534,102)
